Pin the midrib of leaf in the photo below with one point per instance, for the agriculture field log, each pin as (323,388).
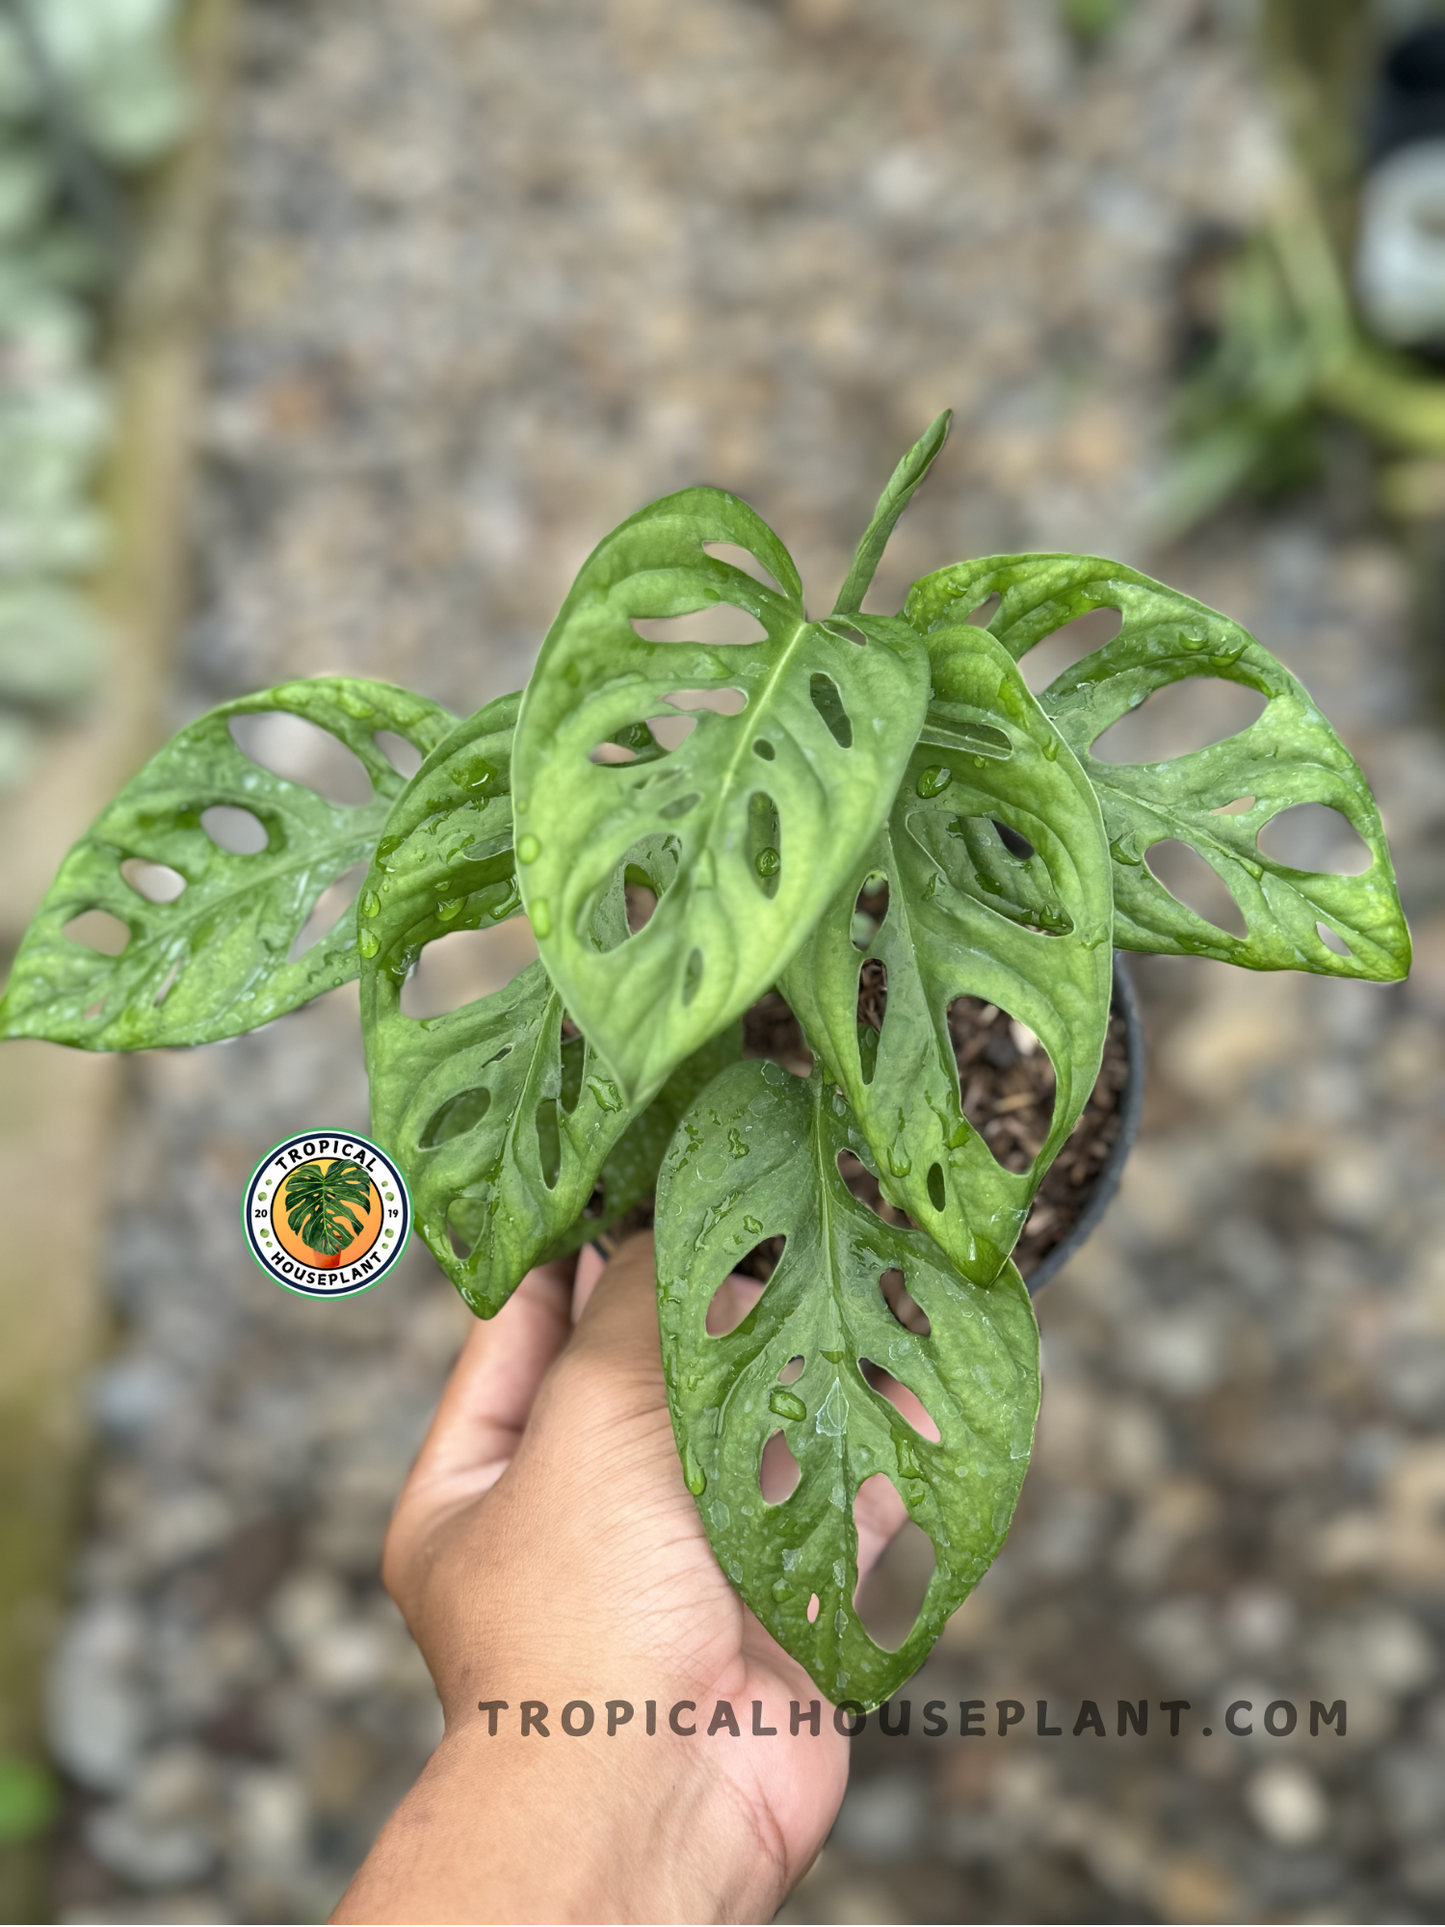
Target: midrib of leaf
(748,735)
(178,921)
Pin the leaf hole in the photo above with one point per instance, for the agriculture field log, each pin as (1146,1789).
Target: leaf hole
(94,1010)
(466,1224)
(1006,1080)
(731,1303)
(763,1260)
(869,910)
(404,756)
(1195,883)
(890,1597)
(327,911)
(837,626)
(98,930)
(1237,808)
(301,751)
(813,1609)
(1312,836)
(873,994)
(764,749)
(640,899)
(765,837)
(937,1194)
(984,614)
(903,1305)
(1178,719)
(778,1471)
(1017,845)
(671,731)
(745,560)
(549,1142)
(679,807)
(993,866)
(1332,940)
(456,1117)
(464,965)
(792,1371)
(611,753)
(716,625)
(236,831)
(692,976)
(163,988)
(828,702)
(1068,644)
(727,701)
(909,1407)
(864,1186)
(156,882)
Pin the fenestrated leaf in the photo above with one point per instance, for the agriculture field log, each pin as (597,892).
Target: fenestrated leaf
(1289,755)
(758,1156)
(966,917)
(212,962)
(505,1129)
(767,808)
(322,1202)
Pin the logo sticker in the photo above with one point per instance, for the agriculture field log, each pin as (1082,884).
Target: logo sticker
(326,1214)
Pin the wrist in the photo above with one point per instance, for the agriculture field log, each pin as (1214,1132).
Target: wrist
(589,1827)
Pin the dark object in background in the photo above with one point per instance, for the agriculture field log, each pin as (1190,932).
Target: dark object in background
(1409,100)
(1400,255)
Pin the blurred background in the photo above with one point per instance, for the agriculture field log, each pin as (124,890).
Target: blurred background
(332,338)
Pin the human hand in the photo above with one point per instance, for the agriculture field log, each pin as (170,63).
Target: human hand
(546,1548)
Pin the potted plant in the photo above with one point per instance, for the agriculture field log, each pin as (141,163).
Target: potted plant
(873,847)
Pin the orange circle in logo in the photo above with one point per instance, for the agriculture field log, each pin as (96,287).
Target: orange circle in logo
(370,1219)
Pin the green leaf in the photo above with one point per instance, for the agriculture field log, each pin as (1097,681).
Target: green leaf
(767,808)
(1289,755)
(30,1798)
(966,917)
(505,1129)
(757,1156)
(212,962)
(318,1204)
(891,504)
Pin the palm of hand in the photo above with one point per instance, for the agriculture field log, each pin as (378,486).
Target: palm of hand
(546,1540)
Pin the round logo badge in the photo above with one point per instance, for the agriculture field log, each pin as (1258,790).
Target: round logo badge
(327,1214)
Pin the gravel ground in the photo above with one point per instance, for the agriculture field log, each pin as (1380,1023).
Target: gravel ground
(490,278)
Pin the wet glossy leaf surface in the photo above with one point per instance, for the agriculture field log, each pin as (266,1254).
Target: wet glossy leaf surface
(738,907)
(212,961)
(1289,756)
(758,1156)
(503,1127)
(966,916)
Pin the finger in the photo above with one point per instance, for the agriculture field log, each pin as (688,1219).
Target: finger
(620,1312)
(490,1393)
(590,1266)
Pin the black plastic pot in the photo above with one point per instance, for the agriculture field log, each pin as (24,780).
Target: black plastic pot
(1131,1105)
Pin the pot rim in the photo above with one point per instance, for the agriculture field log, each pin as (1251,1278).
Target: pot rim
(1125,1000)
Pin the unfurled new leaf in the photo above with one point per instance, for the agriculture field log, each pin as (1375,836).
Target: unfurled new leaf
(765,808)
(1290,755)
(755,1158)
(967,916)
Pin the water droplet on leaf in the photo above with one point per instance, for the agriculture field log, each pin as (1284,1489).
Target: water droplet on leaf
(935,780)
